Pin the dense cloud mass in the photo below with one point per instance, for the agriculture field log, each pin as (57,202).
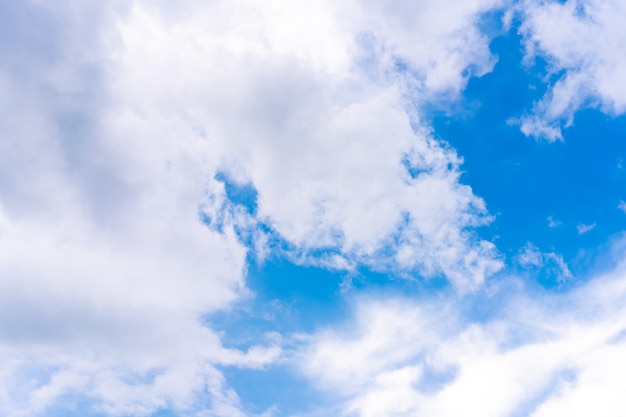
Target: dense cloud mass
(123,125)
(117,118)
(319,127)
(104,265)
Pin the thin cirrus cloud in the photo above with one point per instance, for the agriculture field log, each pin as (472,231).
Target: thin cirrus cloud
(552,263)
(585,228)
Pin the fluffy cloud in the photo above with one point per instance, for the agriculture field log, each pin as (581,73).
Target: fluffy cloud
(541,355)
(116,119)
(105,267)
(326,136)
(580,40)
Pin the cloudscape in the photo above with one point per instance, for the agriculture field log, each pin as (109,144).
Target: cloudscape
(364,208)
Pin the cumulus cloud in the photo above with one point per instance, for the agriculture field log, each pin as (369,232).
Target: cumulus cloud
(339,158)
(105,267)
(116,236)
(580,40)
(534,354)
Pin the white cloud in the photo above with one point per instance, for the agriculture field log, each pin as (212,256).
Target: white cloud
(116,118)
(559,268)
(552,263)
(581,40)
(552,222)
(455,48)
(584,228)
(531,354)
(530,255)
(105,268)
(622,206)
(322,134)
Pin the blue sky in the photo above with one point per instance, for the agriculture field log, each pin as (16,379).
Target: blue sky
(302,209)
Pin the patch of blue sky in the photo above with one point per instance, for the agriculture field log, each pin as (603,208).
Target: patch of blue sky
(290,300)
(239,197)
(286,298)
(293,300)
(539,192)
(279,387)
(244,195)
(296,300)
(291,294)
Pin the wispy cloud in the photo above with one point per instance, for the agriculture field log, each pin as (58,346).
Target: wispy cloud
(584,228)
(536,354)
(552,222)
(585,54)
(530,255)
(553,263)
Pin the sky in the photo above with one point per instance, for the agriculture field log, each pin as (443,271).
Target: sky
(360,208)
